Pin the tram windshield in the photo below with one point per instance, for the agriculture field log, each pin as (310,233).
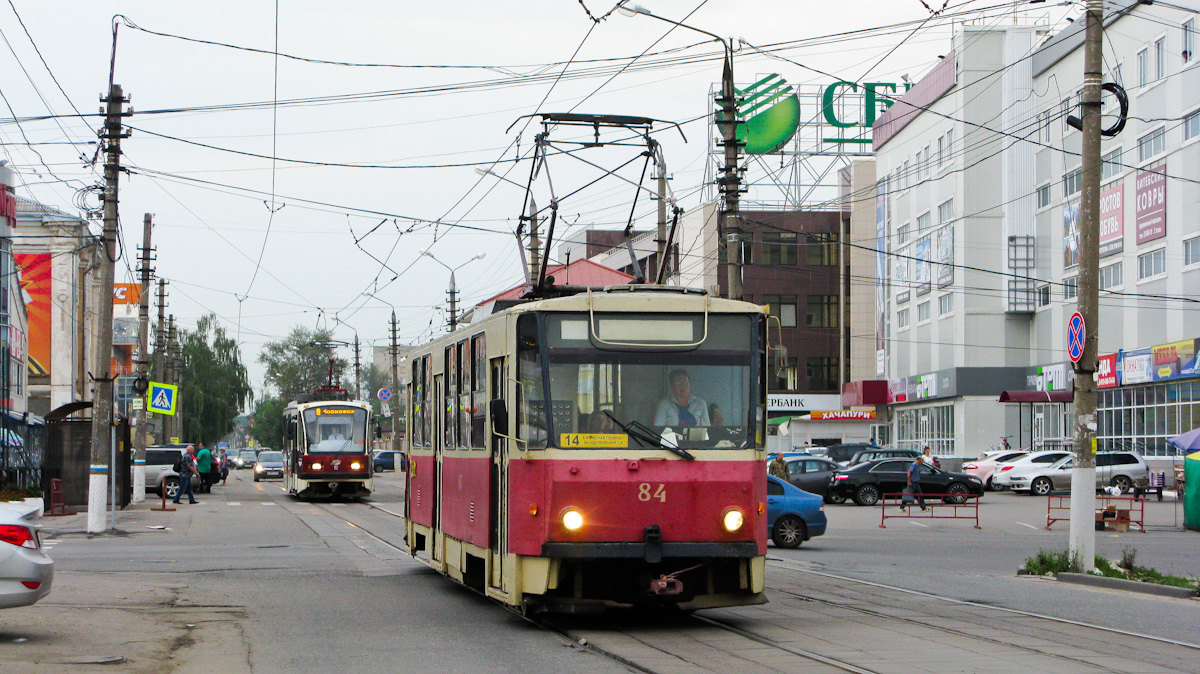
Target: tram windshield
(641,381)
(335,429)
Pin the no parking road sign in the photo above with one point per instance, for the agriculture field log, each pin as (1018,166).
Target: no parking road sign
(385,394)
(161,398)
(1076,334)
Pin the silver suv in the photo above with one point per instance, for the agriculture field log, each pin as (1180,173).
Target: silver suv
(1126,470)
(160,462)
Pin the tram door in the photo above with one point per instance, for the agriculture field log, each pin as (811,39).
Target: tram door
(498,536)
(439,444)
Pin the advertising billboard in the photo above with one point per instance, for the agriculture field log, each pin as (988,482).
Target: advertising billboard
(1137,366)
(1106,371)
(36,289)
(1112,220)
(1070,235)
(1150,201)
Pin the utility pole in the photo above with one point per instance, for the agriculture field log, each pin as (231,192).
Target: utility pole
(160,338)
(1083,476)
(730,216)
(661,238)
(357,371)
(453,303)
(102,405)
(171,375)
(397,401)
(178,364)
(142,363)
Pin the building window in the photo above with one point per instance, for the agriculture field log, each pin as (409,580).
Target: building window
(923,223)
(950,145)
(1043,130)
(778,248)
(822,311)
(941,151)
(1043,196)
(1043,296)
(922,312)
(1191,251)
(925,164)
(902,319)
(787,377)
(1152,263)
(946,212)
(823,374)
(1191,125)
(905,175)
(1070,288)
(902,234)
(945,304)
(782,307)
(1189,40)
(1065,110)
(1110,276)
(1160,58)
(1143,67)
(1072,183)
(1110,165)
(821,249)
(1152,144)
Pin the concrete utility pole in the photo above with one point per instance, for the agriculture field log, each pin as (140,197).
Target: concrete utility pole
(1083,476)
(142,363)
(661,234)
(160,338)
(171,376)
(730,216)
(453,303)
(397,401)
(102,409)
(357,371)
(178,364)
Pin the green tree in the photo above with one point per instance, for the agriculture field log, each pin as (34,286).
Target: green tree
(214,387)
(266,423)
(298,363)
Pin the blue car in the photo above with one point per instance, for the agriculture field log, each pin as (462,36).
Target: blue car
(793,515)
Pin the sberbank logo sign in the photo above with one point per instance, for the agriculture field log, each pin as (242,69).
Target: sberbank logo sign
(871,98)
(770,111)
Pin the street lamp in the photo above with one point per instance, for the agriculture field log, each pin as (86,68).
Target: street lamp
(729,218)
(453,288)
(535,244)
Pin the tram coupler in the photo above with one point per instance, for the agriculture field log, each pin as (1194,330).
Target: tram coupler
(666,586)
(653,544)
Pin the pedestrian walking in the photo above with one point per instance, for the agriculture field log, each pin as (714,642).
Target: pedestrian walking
(204,466)
(223,465)
(914,485)
(187,471)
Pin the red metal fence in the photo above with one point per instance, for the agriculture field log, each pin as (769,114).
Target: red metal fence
(938,507)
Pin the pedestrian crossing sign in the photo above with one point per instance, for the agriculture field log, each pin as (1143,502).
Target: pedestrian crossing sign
(161,398)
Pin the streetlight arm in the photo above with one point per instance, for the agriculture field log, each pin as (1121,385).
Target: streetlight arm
(638,9)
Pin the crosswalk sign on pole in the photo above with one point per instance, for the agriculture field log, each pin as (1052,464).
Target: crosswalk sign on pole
(161,398)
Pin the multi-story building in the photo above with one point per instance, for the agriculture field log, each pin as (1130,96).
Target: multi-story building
(20,448)
(1149,229)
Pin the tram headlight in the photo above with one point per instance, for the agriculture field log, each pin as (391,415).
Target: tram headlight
(316,466)
(732,520)
(356,466)
(572,520)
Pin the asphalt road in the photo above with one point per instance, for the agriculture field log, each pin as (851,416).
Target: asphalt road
(251,580)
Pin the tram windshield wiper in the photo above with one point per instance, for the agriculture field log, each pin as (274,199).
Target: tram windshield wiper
(640,431)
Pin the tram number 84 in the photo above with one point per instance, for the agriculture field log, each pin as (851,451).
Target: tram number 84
(647,491)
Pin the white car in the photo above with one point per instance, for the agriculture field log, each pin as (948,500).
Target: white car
(1027,464)
(987,465)
(26,573)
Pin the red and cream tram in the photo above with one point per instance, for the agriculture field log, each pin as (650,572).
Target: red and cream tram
(326,448)
(602,449)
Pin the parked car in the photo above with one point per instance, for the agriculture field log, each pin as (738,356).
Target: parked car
(793,515)
(867,482)
(890,453)
(26,573)
(1126,470)
(813,475)
(842,453)
(268,465)
(160,471)
(386,460)
(1029,462)
(984,467)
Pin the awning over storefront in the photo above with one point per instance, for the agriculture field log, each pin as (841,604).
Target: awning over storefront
(11,438)
(1037,396)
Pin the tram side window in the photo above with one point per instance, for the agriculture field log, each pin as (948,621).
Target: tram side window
(531,403)
(464,395)
(449,415)
(478,391)
(417,396)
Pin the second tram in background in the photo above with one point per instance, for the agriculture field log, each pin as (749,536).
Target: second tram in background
(596,450)
(326,447)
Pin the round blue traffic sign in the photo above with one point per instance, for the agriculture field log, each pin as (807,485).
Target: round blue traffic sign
(1076,335)
(385,394)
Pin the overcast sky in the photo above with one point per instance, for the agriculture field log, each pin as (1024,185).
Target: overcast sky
(211,204)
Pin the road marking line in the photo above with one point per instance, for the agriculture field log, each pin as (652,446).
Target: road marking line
(337,505)
(918,524)
(233,504)
(1027,525)
(270,504)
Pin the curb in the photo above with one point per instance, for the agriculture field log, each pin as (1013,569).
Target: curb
(1128,585)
